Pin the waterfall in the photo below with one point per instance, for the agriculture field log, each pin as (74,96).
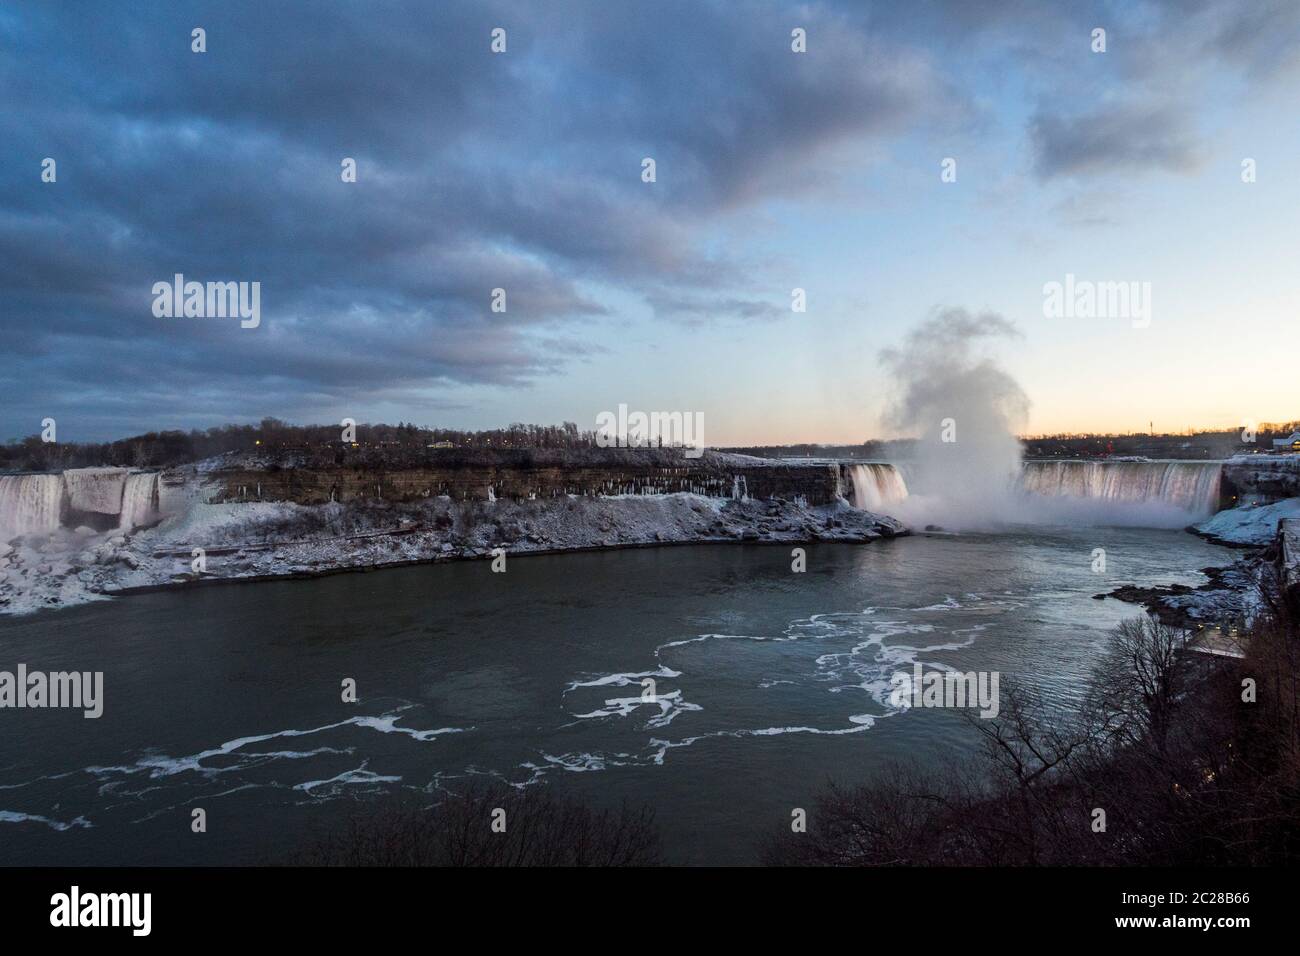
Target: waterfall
(139,500)
(877,487)
(1191,486)
(29,503)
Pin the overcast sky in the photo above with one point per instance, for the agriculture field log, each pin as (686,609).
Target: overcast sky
(523,171)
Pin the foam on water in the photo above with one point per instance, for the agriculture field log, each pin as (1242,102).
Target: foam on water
(622,680)
(865,666)
(862,650)
(348,778)
(11,816)
(669,704)
(233,757)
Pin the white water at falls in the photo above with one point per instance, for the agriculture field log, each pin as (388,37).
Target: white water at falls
(1189,486)
(877,488)
(1149,494)
(29,504)
(36,504)
(139,500)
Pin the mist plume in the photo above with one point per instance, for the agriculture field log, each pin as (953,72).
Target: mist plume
(947,383)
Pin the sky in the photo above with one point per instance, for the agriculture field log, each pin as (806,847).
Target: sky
(523,170)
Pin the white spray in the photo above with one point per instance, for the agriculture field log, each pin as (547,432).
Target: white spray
(964,410)
(966,472)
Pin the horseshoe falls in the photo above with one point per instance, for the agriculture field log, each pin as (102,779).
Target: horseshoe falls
(1190,486)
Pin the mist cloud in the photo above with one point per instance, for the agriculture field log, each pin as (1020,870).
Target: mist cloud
(951,394)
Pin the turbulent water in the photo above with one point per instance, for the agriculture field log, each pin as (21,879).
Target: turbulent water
(767,684)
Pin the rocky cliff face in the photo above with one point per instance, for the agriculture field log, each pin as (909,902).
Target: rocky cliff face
(314,514)
(1288,537)
(522,476)
(268,540)
(1262,478)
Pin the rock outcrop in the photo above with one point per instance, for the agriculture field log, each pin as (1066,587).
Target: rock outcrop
(322,517)
(521,475)
(1262,478)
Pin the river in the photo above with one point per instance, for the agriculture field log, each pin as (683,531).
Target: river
(768,683)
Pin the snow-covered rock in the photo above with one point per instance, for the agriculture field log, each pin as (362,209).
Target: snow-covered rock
(272,539)
(96,490)
(1249,524)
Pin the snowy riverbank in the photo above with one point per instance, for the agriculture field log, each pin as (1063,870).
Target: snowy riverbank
(1230,593)
(1249,525)
(264,540)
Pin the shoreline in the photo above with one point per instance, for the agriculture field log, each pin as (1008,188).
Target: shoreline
(1150,598)
(1224,594)
(207,514)
(281,541)
(313,574)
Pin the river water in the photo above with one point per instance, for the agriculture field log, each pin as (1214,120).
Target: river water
(768,683)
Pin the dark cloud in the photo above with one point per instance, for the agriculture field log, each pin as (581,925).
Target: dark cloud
(1137,107)
(1116,138)
(475,172)
(1261,37)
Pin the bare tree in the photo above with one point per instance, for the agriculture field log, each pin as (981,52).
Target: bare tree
(1170,762)
(491,826)
(1139,682)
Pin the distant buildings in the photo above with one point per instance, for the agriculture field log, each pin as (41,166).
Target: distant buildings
(1291,444)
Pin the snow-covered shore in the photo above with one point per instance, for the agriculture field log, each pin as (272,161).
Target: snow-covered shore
(265,540)
(1230,593)
(1249,525)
